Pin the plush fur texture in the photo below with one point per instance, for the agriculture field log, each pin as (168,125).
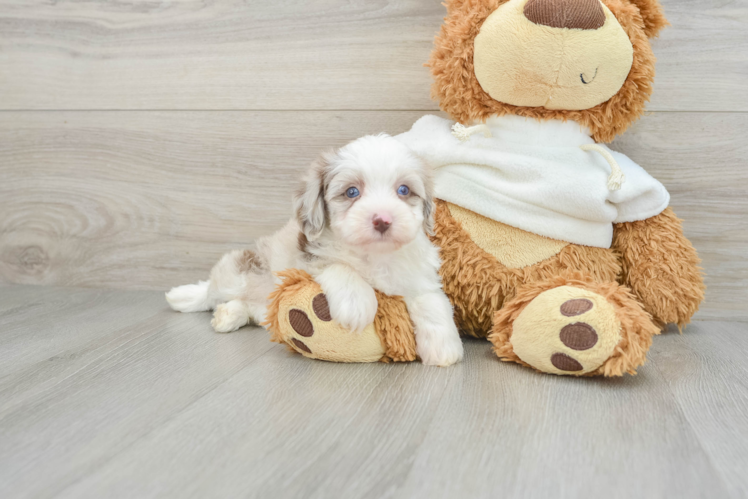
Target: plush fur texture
(652,15)
(636,331)
(395,329)
(479,285)
(512,247)
(661,266)
(459,93)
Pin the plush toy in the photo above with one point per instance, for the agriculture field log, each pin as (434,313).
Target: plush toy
(561,251)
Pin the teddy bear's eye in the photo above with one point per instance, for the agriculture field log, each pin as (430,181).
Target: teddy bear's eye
(352,192)
(403,190)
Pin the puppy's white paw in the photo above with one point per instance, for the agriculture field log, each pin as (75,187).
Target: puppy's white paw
(229,317)
(441,349)
(352,301)
(353,311)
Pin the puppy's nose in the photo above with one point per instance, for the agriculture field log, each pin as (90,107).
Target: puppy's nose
(382,223)
(572,14)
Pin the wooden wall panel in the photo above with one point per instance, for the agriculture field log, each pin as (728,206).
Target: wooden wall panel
(312,55)
(147,200)
(140,140)
(152,199)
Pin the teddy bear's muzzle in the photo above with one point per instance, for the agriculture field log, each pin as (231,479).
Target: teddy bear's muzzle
(557,54)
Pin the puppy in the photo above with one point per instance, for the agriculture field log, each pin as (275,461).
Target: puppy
(362,218)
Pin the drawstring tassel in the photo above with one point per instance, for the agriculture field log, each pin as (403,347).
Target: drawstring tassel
(463,133)
(616,177)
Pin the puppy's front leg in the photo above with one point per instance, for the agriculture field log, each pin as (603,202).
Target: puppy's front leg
(352,300)
(437,339)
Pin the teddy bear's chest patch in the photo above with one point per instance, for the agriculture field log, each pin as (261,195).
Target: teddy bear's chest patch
(513,247)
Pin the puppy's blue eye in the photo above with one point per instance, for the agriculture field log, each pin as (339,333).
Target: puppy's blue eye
(403,190)
(352,192)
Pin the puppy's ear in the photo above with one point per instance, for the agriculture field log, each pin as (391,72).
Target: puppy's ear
(309,201)
(428,200)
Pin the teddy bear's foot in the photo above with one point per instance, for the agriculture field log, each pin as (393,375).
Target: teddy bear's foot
(574,326)
(299,316)
(566,330)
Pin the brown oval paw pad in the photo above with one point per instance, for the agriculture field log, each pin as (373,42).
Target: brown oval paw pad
(566,363)
(575,307)
(321,307)
(578,336)
(301,345)
(300,323)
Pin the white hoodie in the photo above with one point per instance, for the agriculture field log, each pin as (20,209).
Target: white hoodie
(533,175)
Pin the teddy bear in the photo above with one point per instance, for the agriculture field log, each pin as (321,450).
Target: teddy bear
(563,253)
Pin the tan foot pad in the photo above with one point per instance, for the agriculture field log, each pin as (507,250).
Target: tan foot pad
(567,331)
(299,316)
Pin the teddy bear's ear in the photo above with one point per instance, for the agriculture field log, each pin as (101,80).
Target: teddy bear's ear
(653,16)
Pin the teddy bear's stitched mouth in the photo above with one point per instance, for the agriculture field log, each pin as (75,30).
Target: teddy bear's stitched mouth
(581,76)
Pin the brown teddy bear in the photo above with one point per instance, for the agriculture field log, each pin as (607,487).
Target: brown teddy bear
(561,251)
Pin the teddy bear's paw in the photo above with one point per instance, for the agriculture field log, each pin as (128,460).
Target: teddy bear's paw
(567,331)
(307,326)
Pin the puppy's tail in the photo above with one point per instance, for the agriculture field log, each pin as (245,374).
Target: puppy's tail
(189,298)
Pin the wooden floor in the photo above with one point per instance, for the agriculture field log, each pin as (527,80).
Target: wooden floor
(109,393)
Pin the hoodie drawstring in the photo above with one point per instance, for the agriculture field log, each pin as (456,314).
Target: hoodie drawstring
(463,133)
(616,177)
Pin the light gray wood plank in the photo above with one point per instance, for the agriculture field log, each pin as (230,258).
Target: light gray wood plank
(192,54)
(149,200)
(61,417)
(180,411)
(706,371)
(481,428)
(702,58)
(311,429)
(334,54)
(530,435)
(34,359)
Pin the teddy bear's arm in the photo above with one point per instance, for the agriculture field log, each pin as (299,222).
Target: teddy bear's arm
(661,267)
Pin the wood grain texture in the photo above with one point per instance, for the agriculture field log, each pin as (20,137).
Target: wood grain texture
(149,200)
(331,54)
(157,405)
(86,373)
(706,371)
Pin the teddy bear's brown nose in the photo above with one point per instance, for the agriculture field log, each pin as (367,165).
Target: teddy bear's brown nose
(572,14)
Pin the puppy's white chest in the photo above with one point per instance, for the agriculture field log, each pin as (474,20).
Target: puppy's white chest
(409,272)
(388,279)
